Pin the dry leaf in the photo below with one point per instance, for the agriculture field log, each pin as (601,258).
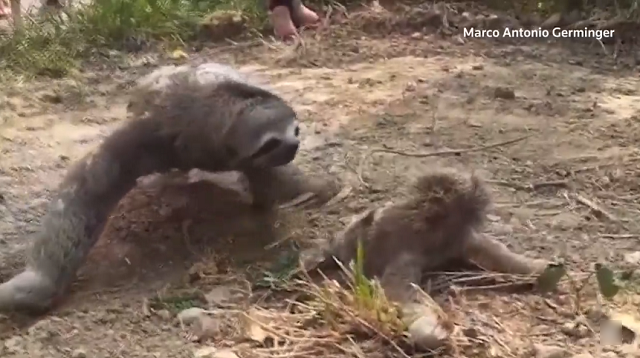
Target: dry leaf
(253,327)
(178,55)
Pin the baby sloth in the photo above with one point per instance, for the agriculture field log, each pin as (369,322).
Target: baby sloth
(440,223)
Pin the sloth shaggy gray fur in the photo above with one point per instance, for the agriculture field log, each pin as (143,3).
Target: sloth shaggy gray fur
(220,125)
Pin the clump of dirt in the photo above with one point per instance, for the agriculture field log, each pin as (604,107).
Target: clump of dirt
(566,191)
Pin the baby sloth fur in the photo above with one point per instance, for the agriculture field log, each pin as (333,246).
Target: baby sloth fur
(439,223)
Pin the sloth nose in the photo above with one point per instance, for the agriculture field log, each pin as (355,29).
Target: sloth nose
(289,150)
(296,132)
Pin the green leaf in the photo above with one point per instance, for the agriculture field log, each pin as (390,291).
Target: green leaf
(551,276)
(606,281)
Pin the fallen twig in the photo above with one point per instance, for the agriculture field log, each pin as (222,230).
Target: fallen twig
(597,209)
(432,154)
(531,186)
(343,194)
(297,201)
(619,236)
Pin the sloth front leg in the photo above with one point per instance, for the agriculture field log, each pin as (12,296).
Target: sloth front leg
(276,185)
(426,322)
(492,255)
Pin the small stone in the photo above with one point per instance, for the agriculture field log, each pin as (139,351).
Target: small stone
(13,345)
(542,351)
(424,326)
(410,87)
(477,67)
(225,353)
(219,296)
(206,328)
(552,21)
(190,315)
(212,352)
(633,258)
(79,353)
(416,36)
(164,314)
(206,352)
(504,93)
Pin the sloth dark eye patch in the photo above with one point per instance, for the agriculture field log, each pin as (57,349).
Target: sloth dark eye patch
(268,147)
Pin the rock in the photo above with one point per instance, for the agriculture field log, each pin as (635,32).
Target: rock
(425,329)
(504,93)
(79,353)
(225,353)
(14,345)
(553,21)
(164,314)
(543,351)
(633,258)
(191,315)
(206,328)
(219,296)
(206,352)
(213,352)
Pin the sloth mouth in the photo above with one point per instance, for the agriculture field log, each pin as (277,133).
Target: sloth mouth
(270,146)
(275,153)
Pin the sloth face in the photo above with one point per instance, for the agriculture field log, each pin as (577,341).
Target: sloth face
(277,149)
(267,135)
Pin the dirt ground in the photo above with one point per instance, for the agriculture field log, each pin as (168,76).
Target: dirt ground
(354,91)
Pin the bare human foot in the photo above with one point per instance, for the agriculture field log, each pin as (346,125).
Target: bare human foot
(5,9)
(303,16)
(282,24)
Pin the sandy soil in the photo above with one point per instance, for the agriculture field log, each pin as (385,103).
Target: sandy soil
(354,91)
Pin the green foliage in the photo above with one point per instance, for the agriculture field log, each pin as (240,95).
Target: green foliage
(550,277)
(606,281)
(283,270)
(362,285)
(608,284)
(53,45)
(178,302)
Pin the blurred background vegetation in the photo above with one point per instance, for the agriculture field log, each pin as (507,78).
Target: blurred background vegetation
(52,44)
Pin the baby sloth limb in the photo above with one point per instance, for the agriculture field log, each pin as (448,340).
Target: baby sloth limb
(426,322)
(492,255)
(222,126)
